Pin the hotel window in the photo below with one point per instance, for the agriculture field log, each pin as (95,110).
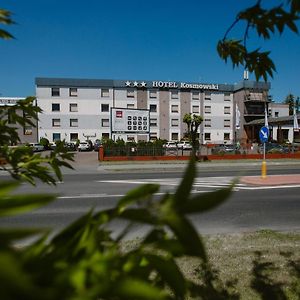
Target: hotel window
(227,110)
(227,97)
(207,96)
(174,136)
(73,107)
(153,122)
(104,93)
(207,109)
(55,107)
(174,108)
(104,107)
(174,95)
(174,122)
(130,106)
(207,122)
(73,136)
(28,130)
(207,136)
(73,92)
(73,122)
(227,123)
(56,137)
(130,138)
(105,135)
(226,136)
(55,92)
(195,96)
(153,94)
(153,136)
(55,122)
(130,93)
(105,122)
(153,107)
(195,109)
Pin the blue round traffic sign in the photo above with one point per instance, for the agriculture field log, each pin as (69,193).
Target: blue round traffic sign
(264,134)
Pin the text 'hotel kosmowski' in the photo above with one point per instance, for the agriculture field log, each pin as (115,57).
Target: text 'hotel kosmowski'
(146,110)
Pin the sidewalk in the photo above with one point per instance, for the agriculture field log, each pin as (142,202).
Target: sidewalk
(271,180)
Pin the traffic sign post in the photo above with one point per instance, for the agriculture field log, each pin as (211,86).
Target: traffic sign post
(264,136)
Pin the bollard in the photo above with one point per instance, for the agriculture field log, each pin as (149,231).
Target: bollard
(264,169)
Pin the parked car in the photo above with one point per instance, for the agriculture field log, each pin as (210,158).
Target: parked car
(84,146)
(273,148)
(36,147)
(184,145)
(170,145)
(70,146)
(222,149)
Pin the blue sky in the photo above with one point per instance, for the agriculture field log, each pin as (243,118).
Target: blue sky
(135,40)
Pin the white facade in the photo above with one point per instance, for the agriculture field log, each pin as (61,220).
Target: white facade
(81,109)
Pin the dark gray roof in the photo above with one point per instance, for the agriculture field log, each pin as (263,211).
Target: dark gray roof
(274,121)
(71,82)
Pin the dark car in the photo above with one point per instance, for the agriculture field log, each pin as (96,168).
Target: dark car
(273,148)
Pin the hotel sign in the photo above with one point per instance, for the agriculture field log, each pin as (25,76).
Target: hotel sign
(173,85)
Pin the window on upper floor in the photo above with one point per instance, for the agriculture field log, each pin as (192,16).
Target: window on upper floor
(153,107)
(207,109)
(227,123)
(105,122)
(207,96)
(73,107)
(195,95)
(55,107)
(130,105)
(130,93)
(195,109)
(174,108)
(227,97)
(227,110)
(73,122)
(207,122)
(73,92)
(104,93)
(153,122)
(55,92)
(104,107)
(153,94)
(55,122)
(174,95)
(174,122)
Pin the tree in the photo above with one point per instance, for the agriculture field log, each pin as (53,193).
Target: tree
(193,122)
(290,99)
(265,23)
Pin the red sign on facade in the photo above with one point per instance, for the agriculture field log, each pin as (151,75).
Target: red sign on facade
(119,114)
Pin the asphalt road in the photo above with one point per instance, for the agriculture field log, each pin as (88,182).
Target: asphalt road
(249,208)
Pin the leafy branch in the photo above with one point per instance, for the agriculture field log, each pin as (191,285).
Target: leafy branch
(265,23)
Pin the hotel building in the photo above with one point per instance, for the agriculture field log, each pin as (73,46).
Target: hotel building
(147,110)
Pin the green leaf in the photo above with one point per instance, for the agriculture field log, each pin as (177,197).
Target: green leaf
(169,272)
(207,201)
(8,235)
(140,193)
(186,234)
(130,288)
(7,186)
(16,204)
(183,190)
(140,215)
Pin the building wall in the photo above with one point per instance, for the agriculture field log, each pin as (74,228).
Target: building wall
(167,102)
